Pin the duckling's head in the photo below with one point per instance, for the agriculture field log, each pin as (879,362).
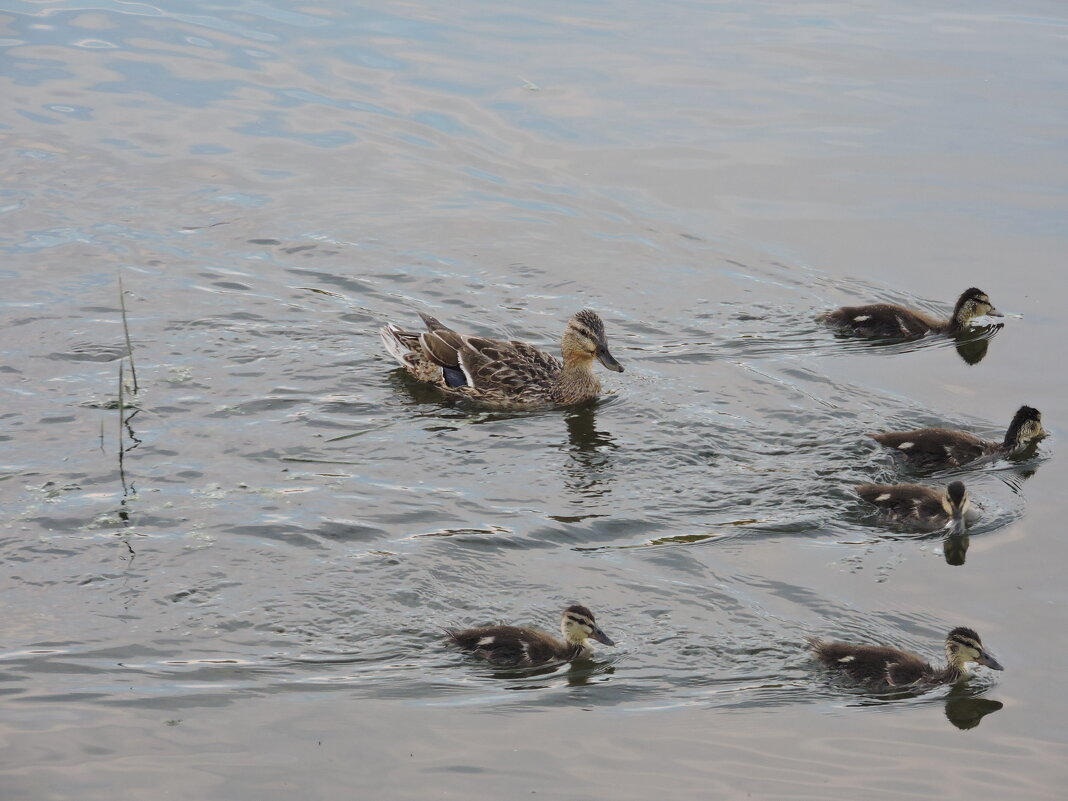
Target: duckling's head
(1025,426)
(964,646)
(971,304)
(956,501)
(584,340)
(577,625)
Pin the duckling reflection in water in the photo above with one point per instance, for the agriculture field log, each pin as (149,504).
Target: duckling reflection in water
(891,320)
(944,446)
(881,668)
(965,711)
(513,646)
(973,343)
(505,375)
(922,507)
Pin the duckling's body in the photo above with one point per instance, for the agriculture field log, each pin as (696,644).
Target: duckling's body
(944,446)
(513,646)
(891,320)
(505,374)
(881,668)
(922,507)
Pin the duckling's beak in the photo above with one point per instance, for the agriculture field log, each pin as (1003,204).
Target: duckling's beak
(986,658)
(993,313)
(600,636)
(607,360)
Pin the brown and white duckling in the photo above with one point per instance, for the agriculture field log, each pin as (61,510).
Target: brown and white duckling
(506,375)
(520,647)
(921,506)
(950,447)
(881,668)
(891,320)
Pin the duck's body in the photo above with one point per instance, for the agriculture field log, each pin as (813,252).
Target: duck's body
(948,447)
(919,506)
(505,374)
(891,320)
(881,668)
(513,646)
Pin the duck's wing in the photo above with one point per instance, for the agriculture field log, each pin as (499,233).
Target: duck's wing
(902,500)
(935,444)
(508,646)
(496,644)
(874,665)
(882,320)
(507,368)
(907,670)
(441,346)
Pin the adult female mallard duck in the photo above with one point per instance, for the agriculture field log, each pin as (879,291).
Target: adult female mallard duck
(948,447)
(520,647)
(505,374)
(881,668)
(891,320)
(921,506)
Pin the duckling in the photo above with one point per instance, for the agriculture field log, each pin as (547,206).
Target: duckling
(922,506)
(505,374)
(890,320)
(948,447)
(881,668)
(521,647)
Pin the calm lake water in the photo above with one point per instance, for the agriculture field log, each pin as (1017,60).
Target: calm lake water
(246,606)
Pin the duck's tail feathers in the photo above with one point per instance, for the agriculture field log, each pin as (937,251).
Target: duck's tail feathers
(393,341)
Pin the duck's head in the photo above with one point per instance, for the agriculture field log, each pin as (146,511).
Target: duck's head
(1026,425)
(964,646)
(956,502)
(971,304)
(584,340)
(577,625)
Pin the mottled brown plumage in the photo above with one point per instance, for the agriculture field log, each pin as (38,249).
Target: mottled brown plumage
(943,446)
(881,668)
(505,374)
(919,506)
(891,320)
(513,646)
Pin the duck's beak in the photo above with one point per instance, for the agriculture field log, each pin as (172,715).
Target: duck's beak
(993,313)
(607,360)
(600,636)
(986,658)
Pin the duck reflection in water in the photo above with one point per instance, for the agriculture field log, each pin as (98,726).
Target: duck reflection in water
(964,710)
(972,343)
(591,451)
(580,672)
(954,548)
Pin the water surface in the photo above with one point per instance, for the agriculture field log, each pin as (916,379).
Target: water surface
(248,605)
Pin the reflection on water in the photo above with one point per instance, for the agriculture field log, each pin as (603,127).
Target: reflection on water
(965,710)
(972,343)
(955,548)
(276,183)
(963,703)
(581,672)
(590,470)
